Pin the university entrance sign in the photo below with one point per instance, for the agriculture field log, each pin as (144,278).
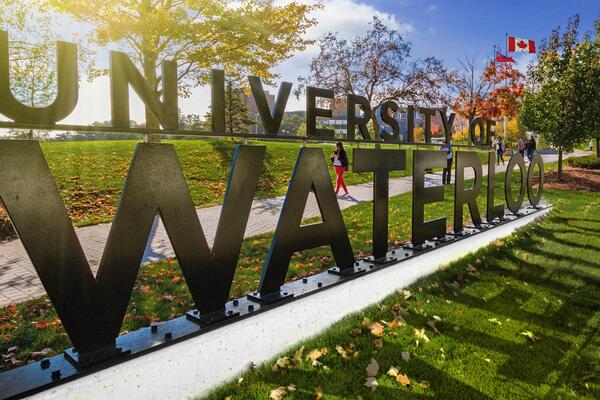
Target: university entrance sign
(92,309)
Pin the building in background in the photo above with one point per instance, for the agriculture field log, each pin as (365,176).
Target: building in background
(248,100)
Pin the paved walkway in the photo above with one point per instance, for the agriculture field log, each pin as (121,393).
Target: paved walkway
(19,281)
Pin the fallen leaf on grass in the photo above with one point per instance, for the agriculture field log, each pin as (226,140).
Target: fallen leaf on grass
(277,394)
(405,293)
(291,387)
(529,335)
(432,326)
(356,332)
(282,364)
(373,368)
(393,371)
(403,380)
(298,357)
(348,352)
(318,393)
(316,354)
(376,329)
(240,380)
(495,321)
(372,383)
(420,334)
(406,356)
(365,322)
(378,343)
(424,385)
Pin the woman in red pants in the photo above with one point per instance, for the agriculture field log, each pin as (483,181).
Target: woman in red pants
(340,163)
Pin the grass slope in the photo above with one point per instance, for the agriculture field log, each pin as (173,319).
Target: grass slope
(90,175)
(517,320)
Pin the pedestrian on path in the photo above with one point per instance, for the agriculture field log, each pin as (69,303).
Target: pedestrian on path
(446,173)
(530,147)
(499,145)
(340,164)
(521,147)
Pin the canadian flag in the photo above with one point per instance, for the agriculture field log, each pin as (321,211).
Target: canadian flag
(516,44)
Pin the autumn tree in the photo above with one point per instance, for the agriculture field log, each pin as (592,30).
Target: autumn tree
(377,65)
(493,91)
(243,37)
(561,103)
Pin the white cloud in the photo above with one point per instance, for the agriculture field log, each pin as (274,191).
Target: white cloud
(432,8)
(346,17)
(349,18)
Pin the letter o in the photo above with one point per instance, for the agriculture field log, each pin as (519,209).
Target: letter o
(512,204)
(534,200)
(477,122)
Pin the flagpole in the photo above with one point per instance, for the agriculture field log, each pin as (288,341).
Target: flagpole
(494,83)
(505,122)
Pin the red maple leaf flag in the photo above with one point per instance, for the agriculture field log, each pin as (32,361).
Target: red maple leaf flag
(501,58)
(516,44)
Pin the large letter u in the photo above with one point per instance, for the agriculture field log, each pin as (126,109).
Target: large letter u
(67,92)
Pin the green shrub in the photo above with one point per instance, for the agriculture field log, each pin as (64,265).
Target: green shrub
(589,162)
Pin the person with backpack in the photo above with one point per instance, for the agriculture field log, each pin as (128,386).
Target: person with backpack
(500,147)
(446,173)
(530,147)
(340,164)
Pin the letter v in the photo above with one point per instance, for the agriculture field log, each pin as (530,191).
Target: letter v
(92,310)
(271,121)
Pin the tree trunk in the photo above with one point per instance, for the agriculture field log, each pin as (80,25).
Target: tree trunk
(560,159)
(598,147)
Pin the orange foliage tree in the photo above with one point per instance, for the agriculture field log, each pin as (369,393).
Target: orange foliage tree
(495,91)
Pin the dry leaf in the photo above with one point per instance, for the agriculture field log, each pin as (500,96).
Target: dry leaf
(424,385)
(432,326)
(373,368)
(403,380)
(298,357)
(376,329)
(372,383)
(438,319)
(405,293)
(393,371)
(378,343)
(530,336)
(240,380)
(356,332)
(316,354)
(291,387)
(406,356)
(277,394)
(365,322)
(420,334)
(495,321)
(318,393)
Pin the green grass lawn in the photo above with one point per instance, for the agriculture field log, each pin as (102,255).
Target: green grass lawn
(519,319)
(90,175)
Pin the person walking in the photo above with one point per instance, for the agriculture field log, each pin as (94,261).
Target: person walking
(530,147)
(446,173)
(499,145)
(340,164)
(521,147)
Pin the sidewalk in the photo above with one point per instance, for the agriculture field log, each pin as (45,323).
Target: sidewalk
(19,281)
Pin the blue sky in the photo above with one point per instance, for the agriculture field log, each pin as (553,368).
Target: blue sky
(446,29)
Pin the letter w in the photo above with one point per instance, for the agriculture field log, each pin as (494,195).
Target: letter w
(92,309)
